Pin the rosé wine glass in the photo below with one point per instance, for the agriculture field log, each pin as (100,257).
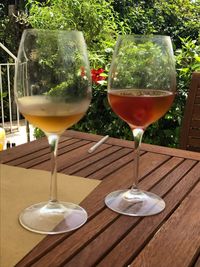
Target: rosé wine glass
(141,89)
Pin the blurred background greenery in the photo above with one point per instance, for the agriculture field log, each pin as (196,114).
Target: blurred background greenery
(101,22)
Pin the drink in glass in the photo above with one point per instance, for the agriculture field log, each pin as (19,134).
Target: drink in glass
(53,92)
(141,89)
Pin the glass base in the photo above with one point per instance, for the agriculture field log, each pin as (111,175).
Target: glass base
(53,217)
(134,202)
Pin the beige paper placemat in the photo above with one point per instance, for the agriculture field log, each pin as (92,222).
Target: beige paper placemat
(21,188)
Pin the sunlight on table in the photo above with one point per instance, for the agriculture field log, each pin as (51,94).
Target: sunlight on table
(21,187)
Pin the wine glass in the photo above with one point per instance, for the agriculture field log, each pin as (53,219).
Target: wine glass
(53,92)
(141,89)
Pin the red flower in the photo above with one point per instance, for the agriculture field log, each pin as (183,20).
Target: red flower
(96,75)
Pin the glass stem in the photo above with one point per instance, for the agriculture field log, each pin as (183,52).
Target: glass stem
(53,142)
(137,134)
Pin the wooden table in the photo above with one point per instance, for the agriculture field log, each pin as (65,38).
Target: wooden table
(169,239)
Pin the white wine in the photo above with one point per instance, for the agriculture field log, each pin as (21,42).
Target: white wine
(51,117)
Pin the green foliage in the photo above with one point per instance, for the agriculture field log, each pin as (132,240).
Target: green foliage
(176,18)
(101,21)
(143,63)
(96,19)
(100,26)
(188,61)
(38,133)
(167,130)
(5,25)
(100,119)
(4,97)
(179,18)
(10,33)
(62,69)
(70,89)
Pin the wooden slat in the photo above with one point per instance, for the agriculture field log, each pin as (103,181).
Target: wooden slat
(197,100)
(195,124)
(87,160)
(95,202)
(108,238)
(108,169)
(45,159)
(98,165)
(124,251)
(154,161)
(196,112)
(145,147)
(23,150)
(192,111)
(184,230)
(72,157)
(40,154)
(179,169)
(194,132)
(112,233)
(26,149)
(194,142)
(123,178)
(96,199)
(94,160)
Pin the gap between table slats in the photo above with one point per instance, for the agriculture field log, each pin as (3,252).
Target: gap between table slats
(70,239)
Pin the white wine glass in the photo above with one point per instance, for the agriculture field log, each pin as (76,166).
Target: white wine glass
(141,89)
(53,92)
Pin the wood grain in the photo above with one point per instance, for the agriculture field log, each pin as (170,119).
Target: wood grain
(175,237)
(108,238)
(191,118)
